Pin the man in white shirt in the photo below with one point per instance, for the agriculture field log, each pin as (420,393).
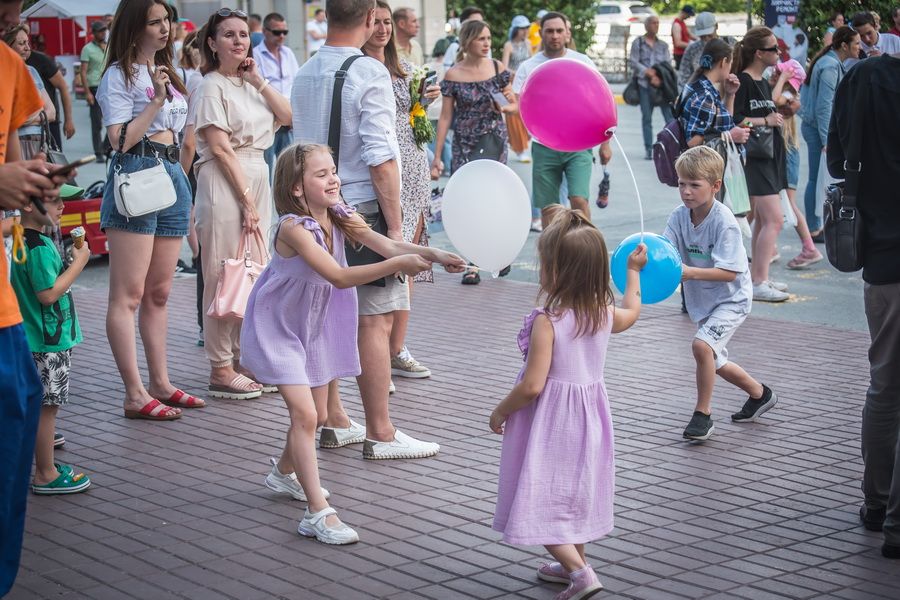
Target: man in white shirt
(369,168)
(871,41)
(551,165)
(277,63)
(406,26)
(316,31)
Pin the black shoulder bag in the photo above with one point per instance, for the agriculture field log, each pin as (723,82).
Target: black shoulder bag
(491,144)
(356,254)
(761,143)
(842,221)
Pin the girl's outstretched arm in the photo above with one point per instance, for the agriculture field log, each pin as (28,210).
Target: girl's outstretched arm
(304,244)
(537,366)
(389,248)
(624,317)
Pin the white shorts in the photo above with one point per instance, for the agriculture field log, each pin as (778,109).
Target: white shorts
(716,331)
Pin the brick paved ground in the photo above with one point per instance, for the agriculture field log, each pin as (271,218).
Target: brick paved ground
(178,510)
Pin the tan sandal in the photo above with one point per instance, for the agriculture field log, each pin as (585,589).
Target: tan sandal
(240,387)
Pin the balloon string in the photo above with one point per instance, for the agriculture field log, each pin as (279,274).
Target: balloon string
(634,180)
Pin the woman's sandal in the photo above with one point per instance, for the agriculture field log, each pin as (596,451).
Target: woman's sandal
(239,388)
(471,278)
(181,399)
(154,411)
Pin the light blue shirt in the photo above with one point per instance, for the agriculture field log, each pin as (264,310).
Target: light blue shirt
(279,71)
(368,115)
(33,129)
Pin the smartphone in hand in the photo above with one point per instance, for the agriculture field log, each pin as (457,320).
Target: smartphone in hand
(430,80)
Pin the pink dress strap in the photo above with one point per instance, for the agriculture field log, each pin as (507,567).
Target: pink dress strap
(524,337)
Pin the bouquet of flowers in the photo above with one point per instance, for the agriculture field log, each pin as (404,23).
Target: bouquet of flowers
(423,130)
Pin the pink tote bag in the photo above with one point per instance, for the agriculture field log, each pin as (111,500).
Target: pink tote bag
(237,279)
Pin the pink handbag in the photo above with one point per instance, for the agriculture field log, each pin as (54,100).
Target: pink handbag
(237,279)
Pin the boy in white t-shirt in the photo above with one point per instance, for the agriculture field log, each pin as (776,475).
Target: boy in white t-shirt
(717,287)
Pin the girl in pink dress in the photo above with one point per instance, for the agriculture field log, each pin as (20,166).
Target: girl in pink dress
(556,467)
(299,329)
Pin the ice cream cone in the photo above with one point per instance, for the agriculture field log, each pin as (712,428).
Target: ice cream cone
(77,236)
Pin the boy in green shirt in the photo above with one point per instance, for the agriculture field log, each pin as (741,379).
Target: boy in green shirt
(42,285)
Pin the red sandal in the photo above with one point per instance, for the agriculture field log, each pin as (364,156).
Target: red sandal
(181,399)
(154,411)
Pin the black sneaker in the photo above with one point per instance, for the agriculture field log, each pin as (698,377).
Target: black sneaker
(753,409)
(603,192)
(872,519)
(182,267)
(58,440)
(700,428)
(890,550)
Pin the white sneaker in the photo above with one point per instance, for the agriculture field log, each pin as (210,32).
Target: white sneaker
(536,226)
(391,388)
(524,157)
(334,437)
(764,292)
(781,287)
(404,365)
(313,525)
(287,484)
(402,446)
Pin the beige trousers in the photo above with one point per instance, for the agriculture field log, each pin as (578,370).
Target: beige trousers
(219,228)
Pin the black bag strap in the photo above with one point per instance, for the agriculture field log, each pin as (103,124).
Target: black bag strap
(334,123)
(853,156)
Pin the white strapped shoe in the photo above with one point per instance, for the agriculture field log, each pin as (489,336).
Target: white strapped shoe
(313,525)
(287,484)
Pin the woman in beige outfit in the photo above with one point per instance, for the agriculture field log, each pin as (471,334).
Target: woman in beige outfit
(237,113)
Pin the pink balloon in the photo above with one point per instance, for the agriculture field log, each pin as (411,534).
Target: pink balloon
(568,106)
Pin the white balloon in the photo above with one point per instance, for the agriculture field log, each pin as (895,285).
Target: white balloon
(487,213)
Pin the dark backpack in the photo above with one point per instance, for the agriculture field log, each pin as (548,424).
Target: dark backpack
(670,143)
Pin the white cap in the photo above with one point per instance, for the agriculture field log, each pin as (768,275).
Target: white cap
(541,13)
(705,24)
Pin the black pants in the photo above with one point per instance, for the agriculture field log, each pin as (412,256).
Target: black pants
(678,58)
(97,137)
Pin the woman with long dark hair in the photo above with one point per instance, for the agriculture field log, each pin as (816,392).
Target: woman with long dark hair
(817,98)
(705,114)
(236,116)
(144,110)
(766,168)
(415,176)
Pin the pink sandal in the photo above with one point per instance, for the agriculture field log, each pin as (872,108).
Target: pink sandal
(240,387)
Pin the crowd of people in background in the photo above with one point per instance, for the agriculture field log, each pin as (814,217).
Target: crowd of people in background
(233,119)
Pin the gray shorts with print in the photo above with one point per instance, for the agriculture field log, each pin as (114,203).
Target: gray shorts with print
(54,367)
(716,330)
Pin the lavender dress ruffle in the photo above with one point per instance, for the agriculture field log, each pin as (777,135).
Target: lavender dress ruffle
(298,328)
(557,470)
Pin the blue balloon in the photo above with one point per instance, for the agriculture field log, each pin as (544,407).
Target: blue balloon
(661,276)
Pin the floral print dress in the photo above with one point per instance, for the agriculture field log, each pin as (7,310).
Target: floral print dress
(415,189)
(474,115)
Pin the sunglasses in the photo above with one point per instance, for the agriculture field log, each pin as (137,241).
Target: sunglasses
(227,12)
(772,49)
(277,31)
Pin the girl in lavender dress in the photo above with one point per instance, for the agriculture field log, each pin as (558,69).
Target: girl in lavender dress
(558,430)
(299,329)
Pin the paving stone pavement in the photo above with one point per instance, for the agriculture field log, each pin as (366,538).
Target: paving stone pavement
(178,510)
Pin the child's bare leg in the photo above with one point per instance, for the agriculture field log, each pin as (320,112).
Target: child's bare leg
(301,445)
(735,375)
(320,398)
(337,417)
(580,549)
(568,556)
(44,470)
(706,374)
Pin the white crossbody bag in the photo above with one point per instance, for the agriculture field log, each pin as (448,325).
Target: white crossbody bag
(145,191)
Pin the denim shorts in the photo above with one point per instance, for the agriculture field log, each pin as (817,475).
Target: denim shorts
(169,222)
(793,167)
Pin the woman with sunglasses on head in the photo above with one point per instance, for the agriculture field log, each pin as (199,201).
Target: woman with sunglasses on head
(144,109)
(754,107)
(235,118)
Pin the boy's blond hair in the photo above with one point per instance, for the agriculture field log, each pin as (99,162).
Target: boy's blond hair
(701,162)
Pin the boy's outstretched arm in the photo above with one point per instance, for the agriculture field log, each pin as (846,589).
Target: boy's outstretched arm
(707,274)
(537,366)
